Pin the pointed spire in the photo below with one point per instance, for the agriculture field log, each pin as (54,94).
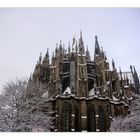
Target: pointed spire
(134,69)
(105,56)
(81,44)
(102,52)
(60,46)
(46,60)
(97,47)
(113,65)
(47,53)
(56,50)
(87,54)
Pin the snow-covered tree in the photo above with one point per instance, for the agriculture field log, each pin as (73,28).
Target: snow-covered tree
(130,123)
(20,114)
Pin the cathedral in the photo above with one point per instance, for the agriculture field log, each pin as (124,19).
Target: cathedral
(83,94)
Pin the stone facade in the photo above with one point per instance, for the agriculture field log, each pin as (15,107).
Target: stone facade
(84,94)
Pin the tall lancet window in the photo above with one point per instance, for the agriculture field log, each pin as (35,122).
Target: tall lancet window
(101,120)
(66,118)
(77,125)
(91,120)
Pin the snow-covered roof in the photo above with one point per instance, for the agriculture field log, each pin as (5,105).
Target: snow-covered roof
(45,94)
(82,64)
(131,98)
(67,91)
(108,82)
(91,92)
(126,86)
(114,98)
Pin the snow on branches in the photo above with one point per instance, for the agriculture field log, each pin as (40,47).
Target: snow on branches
(130,123)
(17,113)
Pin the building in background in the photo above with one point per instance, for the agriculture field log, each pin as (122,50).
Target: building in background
(84,94)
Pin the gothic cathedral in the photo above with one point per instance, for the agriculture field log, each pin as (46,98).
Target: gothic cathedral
(84,94)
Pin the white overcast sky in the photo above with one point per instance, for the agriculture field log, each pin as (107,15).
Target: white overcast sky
(25,32)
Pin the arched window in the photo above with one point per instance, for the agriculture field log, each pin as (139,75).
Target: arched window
(101,120)
(77,125)
(91,120)
(66,118)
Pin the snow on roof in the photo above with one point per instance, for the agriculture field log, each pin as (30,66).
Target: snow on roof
(131,98)
(108,82)
(82,64)
(126,86)
(67,91)
(123,97)
(45,94)
(91,92)
(114,98)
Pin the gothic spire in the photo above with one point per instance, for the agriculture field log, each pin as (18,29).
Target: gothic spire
(47,53)
(46,60)
(60,47)
(87,54)
(97,47)
(113,65)
(81,44)
(102,52)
